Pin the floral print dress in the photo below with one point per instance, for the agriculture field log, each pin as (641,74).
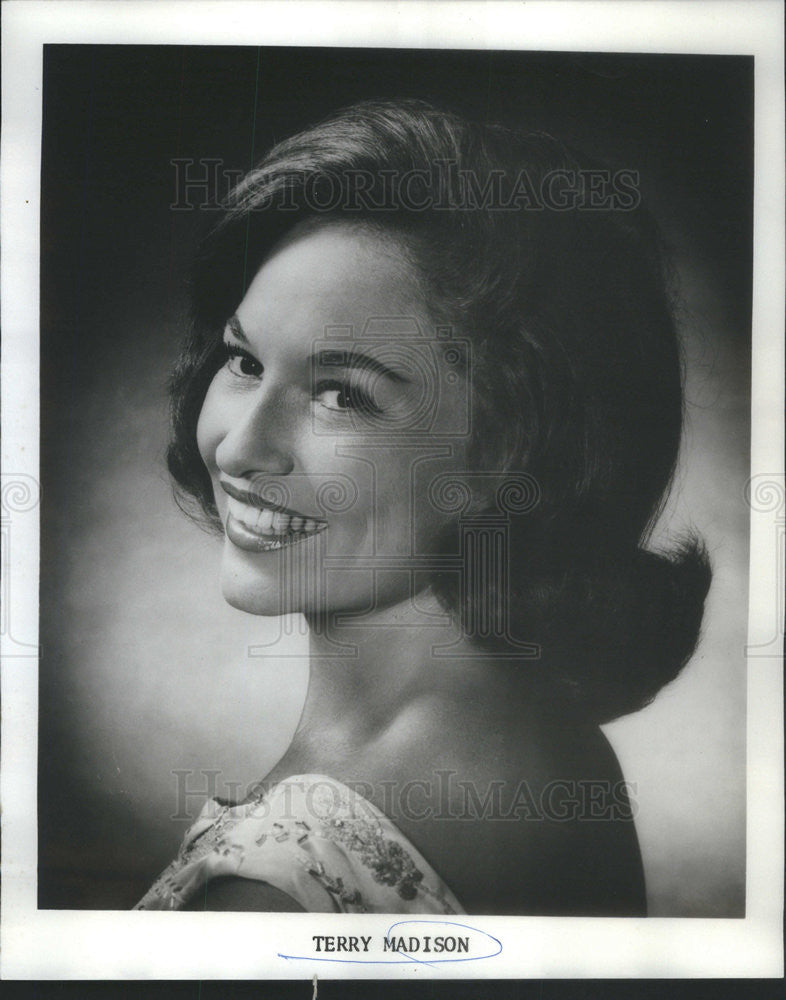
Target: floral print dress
(313,838)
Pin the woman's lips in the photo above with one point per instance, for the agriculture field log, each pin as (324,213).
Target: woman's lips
(262,529)
(258,502)
(251,541)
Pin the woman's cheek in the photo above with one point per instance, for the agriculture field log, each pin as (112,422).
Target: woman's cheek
(208,432)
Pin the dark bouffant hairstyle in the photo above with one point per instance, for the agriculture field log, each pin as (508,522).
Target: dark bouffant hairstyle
(576,366)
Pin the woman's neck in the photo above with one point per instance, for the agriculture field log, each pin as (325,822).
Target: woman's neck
(366,673)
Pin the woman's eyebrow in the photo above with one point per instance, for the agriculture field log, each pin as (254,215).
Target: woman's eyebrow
(333,359)
(237,330)
(358,360)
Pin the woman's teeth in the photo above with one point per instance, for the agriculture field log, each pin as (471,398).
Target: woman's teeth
(272,523)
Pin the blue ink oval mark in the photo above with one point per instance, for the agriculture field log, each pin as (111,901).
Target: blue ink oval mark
(415,957)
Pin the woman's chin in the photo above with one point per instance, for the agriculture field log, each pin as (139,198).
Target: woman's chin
(252,603)
(251,590)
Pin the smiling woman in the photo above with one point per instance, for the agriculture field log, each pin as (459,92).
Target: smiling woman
(438,416)
(282,416)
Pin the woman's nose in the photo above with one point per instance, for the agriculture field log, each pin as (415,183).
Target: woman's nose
(257,439)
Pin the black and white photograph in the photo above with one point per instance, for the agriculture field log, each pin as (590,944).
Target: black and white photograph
(402,466)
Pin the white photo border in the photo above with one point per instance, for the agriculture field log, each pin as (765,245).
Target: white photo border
(47,944)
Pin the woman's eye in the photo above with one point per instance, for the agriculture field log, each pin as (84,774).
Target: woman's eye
(341,396)
(241,363)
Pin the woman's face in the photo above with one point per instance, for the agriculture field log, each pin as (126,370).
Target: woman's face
(338,407)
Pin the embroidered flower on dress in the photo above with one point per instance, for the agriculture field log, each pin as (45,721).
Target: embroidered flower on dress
(390,863)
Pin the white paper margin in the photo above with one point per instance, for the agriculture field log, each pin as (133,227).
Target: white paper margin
(52,944)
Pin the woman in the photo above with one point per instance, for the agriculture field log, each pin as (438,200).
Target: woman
(431,397)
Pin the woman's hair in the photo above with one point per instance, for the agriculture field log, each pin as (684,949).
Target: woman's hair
(550,267)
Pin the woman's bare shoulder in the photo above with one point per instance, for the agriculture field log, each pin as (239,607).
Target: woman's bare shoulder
(531,816)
